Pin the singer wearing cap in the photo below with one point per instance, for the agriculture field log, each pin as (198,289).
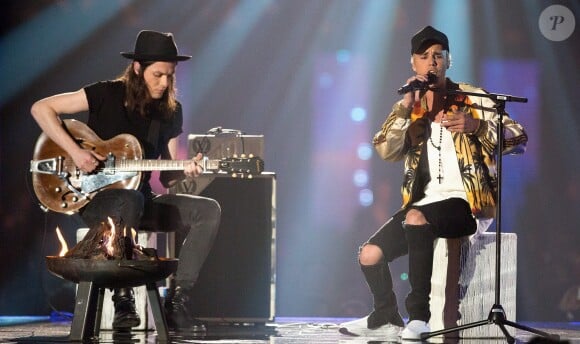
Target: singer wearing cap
(447,143)
(141,102)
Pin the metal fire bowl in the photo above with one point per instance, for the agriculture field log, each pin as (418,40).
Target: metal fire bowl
(111,273)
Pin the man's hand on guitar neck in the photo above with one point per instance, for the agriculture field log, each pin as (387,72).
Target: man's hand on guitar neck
(195,168)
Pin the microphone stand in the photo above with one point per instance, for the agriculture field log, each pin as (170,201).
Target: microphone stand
(497,314)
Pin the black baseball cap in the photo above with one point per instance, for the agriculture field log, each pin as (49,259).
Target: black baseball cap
(428,34)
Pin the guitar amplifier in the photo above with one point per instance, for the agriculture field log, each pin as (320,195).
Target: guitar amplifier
(225,144)
(237,281)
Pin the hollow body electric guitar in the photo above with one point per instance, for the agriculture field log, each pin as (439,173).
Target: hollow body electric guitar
(62,187)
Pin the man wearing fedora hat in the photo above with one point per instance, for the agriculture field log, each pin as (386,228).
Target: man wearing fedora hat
(448,144)
(141,102)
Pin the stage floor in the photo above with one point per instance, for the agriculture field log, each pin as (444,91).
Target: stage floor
(282,331)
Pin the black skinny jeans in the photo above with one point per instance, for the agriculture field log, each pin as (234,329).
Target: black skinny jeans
(194,219)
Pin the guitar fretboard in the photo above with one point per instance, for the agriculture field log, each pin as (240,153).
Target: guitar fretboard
(160,165)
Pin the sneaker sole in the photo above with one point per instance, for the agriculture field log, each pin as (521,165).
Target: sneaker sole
(371,334)
(126,325)
(344,330)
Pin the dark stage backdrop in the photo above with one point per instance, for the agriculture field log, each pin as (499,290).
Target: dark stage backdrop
(316,78)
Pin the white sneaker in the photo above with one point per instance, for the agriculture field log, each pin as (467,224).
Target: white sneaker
(359,328)
(414,329)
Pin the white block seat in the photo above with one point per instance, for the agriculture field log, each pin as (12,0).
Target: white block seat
(463,283)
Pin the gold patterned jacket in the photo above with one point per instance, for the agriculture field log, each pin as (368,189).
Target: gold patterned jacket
(406,131)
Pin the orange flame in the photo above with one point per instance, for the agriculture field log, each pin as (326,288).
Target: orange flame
(134,235)
(109,245)
(63,245)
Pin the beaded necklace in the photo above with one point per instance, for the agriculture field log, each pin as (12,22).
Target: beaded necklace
(440,169)
(439,174)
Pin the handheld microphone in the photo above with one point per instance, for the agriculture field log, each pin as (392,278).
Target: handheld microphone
(418,85)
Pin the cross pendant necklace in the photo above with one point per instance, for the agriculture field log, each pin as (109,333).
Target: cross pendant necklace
(439,175)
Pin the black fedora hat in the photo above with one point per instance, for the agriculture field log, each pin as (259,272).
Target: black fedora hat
(155,46)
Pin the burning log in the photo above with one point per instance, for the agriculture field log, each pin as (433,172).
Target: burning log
(105,242)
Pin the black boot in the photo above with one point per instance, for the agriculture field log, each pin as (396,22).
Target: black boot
(420,239)
(177,312)
(378,278)
(125,313)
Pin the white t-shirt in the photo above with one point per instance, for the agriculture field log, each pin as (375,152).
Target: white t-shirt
(451,185)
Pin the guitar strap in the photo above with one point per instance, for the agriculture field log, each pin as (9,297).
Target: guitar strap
(153,138)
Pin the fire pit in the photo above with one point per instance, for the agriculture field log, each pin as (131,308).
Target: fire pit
(104,259)
(117,273)
(94,276)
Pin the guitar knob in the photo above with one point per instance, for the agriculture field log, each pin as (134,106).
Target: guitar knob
(63,205)
(57,189)
(75,199)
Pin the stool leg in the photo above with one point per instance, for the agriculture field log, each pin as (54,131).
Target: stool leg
(86,303)
(158,314)
(99,311)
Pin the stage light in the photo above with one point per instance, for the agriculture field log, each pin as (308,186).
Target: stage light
(19,58)
(358,114)
(361,178)
(365,197)
(364,151)
(459,33)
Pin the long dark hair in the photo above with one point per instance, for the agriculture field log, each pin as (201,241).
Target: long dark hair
(137,97)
